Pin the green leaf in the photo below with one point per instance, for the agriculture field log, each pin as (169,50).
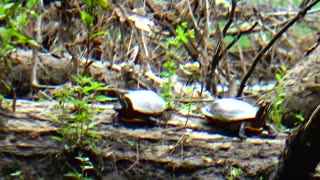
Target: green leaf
(57,138)
(21,39)
(283,68)
(74,175)
(53,117)
(8,6)
(87,19)
(95,134)
(88,167)
(20,21)
(173,42)
(87,89)
(16,174)
(184,38)
(278,77)
(279,89)
(31,3)
(6,49)
(300,117)
(165,74)
(184,24)
(99,33)
(104,4)
(180,31)
(279,101)
(191,33)
(244,41)
(236,172)
(5,35)
(103,98)
(33,43)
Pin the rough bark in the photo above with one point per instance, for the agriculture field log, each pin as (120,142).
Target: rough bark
(301,89)
(163,152)
(302,151)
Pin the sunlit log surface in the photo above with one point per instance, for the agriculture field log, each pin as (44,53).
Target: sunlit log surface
(165,152)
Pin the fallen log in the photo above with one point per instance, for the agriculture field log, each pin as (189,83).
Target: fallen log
(165,152)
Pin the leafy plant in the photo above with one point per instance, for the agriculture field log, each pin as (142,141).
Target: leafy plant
(183,35)
(14,16)
(235,172)
(168,72)
(277,111)
(170,66)
(85,166)
(89,15)
(77,126)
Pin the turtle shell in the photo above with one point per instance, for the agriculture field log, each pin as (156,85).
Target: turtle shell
(146,102)
(228,110)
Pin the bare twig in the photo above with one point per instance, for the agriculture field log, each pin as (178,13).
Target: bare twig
(216,57)
(226,27)
(35,53)
(192,17)
(137,158)
(310,50)
(238,37)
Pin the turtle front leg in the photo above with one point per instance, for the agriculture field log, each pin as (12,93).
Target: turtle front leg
(242,131)
(272,132)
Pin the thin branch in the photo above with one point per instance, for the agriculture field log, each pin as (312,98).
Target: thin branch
(233,9)
(216,57)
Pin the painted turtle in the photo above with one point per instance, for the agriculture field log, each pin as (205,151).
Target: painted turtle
(140,107)
(238,116)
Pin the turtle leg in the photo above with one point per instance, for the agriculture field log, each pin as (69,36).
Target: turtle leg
(153,120)
(115,120)
(242,131)
(272,132)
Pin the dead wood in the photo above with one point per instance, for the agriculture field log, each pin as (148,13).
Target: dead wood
(301,89)
(165,152)
(302,151)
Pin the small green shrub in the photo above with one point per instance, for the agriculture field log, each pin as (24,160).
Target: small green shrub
(76,127)
(174,44)
(277,109)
